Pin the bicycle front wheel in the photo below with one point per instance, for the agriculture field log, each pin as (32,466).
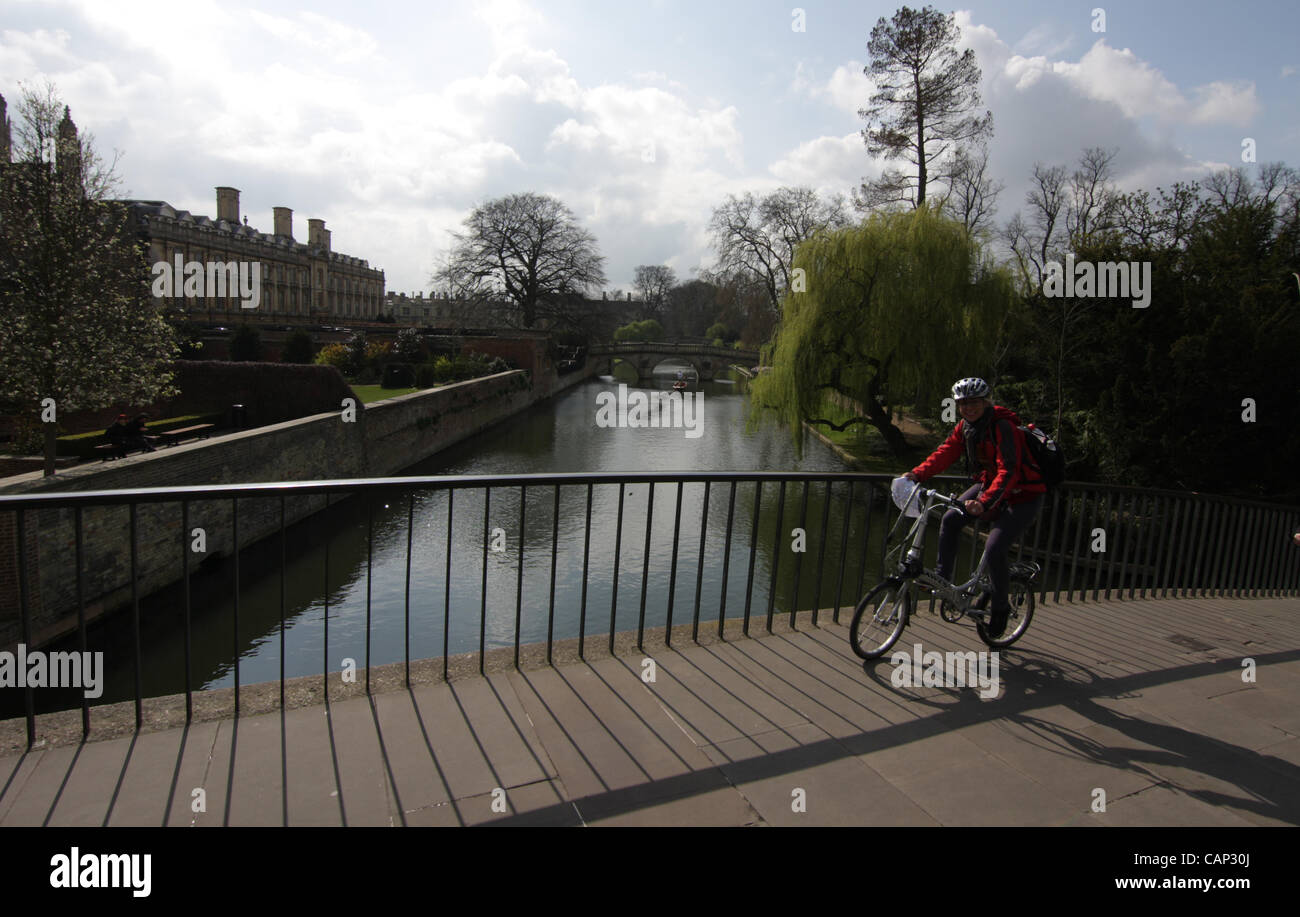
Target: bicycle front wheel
(879,619)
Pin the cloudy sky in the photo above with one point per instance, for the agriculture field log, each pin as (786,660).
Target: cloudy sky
(392,120)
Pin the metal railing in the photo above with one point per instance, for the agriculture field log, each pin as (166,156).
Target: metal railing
(1104,541)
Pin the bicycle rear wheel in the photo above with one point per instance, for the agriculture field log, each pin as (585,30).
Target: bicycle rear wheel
(879,619)
(1020,593)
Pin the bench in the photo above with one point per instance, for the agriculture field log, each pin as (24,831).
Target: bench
(173,437)
(108,451)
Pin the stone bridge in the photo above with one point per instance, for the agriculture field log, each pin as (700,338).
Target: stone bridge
(644,356)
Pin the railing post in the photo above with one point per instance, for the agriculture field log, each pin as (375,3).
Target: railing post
(753,549)
(699,572)
(24,611)
(726,559)
(645,566)
(844,554)
(798,564)
(776,554)
(821,552)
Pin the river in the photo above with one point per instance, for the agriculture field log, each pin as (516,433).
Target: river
(559,435)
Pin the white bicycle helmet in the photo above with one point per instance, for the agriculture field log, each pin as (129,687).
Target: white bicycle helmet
(970,387)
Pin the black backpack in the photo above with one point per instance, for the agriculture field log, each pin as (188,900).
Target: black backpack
(1046,455)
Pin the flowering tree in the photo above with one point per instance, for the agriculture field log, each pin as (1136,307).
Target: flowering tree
(78,328)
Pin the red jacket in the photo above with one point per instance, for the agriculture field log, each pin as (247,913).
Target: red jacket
(1006,469)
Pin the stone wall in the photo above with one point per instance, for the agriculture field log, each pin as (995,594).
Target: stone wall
(383,439)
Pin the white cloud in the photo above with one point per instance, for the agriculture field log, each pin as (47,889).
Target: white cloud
(832,165)
(1141,90)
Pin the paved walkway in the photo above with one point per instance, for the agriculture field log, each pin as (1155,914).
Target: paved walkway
(1142,701)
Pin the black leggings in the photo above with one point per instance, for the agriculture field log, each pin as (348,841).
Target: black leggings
(1009,525)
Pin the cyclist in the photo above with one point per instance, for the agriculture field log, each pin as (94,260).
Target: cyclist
(1008,493)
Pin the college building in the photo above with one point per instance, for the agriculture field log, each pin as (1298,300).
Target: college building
(301,282)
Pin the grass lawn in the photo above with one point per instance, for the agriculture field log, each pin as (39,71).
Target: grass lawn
(369,393)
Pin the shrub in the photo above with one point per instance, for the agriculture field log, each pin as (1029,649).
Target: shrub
(425,376)
(398,375)
(720,331)
(648,330)
(298,349)
(357,352)
(28,437)
(442,369)
(408,347)
(246,345)
(336,355)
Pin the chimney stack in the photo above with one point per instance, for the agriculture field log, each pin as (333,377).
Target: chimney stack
(315,229)
(283,221)
(228,204)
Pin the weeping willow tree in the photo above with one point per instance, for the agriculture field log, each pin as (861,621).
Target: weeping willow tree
(904,302)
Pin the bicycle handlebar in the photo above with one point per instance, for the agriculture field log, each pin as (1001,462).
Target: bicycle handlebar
(941,497)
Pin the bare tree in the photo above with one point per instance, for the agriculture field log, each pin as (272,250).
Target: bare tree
(652,283)
(1275,189)
(527,251)
(757,236)
(1036,241)
(1093,197)
(920,111)
(1064,214)
(971,195)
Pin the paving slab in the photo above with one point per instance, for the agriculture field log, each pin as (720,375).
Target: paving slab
(803,776)
(366,783)
(16,771)
(720,808)
(313,781)
(160,775)
(832,700)
(713,701)
(982,790)
(1160,806)
(252,771)
(89,783)
(1064,761)
(595,740)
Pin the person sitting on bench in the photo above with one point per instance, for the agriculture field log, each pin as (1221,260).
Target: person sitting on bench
(119,435)
(136,437)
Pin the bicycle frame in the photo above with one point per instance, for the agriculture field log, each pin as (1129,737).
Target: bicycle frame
(910,566)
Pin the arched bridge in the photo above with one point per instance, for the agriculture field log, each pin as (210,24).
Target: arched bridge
(644,356)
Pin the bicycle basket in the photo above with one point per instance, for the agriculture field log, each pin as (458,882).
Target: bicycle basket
(906,496)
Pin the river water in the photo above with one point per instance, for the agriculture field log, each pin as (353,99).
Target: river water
(560,435)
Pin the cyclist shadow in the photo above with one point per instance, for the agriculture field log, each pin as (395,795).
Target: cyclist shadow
(1265,784)
(1040,679)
